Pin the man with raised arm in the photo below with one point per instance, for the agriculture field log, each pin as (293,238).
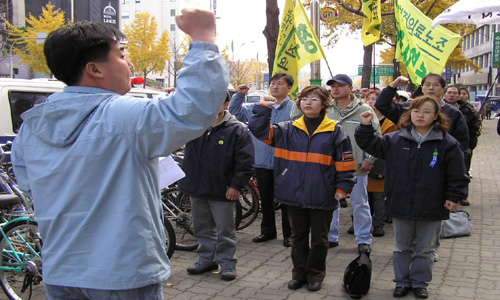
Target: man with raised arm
(89,157)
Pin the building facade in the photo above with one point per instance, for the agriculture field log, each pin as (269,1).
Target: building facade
(479,47)
(164,12)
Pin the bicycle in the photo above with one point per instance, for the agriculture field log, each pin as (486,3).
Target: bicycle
(249,200)
(21,244)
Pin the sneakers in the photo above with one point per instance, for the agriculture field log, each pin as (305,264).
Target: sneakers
(435,256)
(228,273)
(199,268)
(378,231)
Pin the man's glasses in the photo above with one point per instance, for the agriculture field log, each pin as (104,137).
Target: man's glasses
(435,84)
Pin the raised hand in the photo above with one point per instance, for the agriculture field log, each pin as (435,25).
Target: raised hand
(197,23)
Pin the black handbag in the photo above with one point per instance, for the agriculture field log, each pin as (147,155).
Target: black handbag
(357,276)
(378,170)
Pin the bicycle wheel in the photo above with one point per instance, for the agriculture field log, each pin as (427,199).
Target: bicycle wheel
(180,217)
(170,233)
(249,201)
(21,264)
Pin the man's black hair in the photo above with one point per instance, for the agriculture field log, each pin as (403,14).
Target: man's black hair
(69,48)
(288,78)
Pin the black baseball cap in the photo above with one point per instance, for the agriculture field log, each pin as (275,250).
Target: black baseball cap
(340,78)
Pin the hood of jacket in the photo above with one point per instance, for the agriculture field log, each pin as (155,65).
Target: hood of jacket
(61,118)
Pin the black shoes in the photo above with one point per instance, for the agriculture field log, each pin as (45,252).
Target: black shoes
(198,268)
(287,242)
(400,291)
(364,248)
(350,230)
(333,244)
(263,237)
(314,286)
(295,284)
(464,202)
(378,231)
(421,293)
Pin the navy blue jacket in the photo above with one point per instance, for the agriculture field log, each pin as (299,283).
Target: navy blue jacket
(393,111)
(222,157)
(415,190)
(308,169)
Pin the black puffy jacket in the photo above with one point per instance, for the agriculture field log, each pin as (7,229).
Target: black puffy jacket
(222,157)
(416,189)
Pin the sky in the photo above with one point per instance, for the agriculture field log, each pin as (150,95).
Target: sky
(243,21)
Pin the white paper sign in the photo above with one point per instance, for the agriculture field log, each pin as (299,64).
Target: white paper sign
(169,171)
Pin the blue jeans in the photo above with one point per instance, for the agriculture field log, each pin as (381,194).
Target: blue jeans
(413,244)
(361,213)
(215,231)
(150,292)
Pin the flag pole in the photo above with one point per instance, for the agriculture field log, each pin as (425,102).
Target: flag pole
(315,65)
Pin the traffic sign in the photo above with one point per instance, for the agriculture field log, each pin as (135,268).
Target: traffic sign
(380,70)
(328,14)
(496,50)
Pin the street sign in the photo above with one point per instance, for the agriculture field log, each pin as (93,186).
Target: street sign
(496,50)
(328,14)
(380,70)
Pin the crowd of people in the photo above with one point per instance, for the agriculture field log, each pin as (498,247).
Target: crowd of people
(399,156)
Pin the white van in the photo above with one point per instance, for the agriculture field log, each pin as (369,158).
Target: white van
(19,95)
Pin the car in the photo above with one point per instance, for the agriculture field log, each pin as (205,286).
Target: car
(254,98)
(19,95)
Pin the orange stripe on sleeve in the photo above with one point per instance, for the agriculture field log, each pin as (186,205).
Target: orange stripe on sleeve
(269,141)
(345,165)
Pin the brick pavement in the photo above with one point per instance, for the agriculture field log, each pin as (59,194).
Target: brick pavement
(469,267)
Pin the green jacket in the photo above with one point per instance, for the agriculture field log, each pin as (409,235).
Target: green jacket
(349,123)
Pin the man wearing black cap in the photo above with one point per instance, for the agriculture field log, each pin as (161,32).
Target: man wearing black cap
(346,109)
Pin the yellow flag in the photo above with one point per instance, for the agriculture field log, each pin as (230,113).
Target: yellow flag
(421,48)
(297,43)
(372,17)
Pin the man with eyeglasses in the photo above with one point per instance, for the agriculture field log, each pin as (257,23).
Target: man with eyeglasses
(473,120)
(280,85)
(346,109)
(432,85)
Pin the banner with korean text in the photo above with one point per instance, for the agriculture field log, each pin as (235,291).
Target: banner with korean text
(372,18)
(421,48)
(297,45)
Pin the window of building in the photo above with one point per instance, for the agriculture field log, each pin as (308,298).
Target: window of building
(481,35)
(172,12)
(172,27)
(137,1)
(486,33)
(125,1)
(125,15)
(480,61)
(476,43)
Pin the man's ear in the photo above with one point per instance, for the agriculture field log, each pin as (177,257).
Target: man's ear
(93,70)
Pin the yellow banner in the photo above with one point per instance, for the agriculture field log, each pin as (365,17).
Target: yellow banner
(297,43)
(421,48)
(372,18)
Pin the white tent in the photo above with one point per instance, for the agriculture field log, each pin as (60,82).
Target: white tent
(477,12)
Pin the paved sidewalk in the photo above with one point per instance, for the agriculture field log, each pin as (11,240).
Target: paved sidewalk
(469,267)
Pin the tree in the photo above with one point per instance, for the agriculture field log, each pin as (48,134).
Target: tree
(242,72)
(30,51)
(351,18)
(271,31)
(147,53)
(179,52)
